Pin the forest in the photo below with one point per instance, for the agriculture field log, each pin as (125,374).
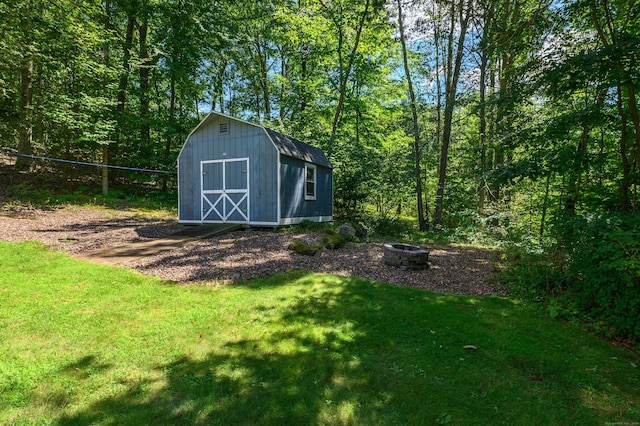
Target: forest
(515,120)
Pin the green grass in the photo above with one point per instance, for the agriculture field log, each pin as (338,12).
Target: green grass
(90,344)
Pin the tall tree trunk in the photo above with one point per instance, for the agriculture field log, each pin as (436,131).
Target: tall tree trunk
(25,140)
(451,86)
(482,186)
(545,201)
(123,84)
(38,113)
(104,175)
(635,117)
(218,85)
(625,183)
(487,21)
(145,70)
(508,17)
(304,76)
(345,74)
(424,226)
(172,119)
(284,74)
(580,159)
(501,119)
(610,34)
(437,39)
(264,80)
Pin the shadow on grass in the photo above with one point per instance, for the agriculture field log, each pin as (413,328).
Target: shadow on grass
(321,356)
(85,367)
(347,351)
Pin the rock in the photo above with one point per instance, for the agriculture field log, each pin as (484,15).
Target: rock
(332,240)
(347,231)
(303,248)
(362,232)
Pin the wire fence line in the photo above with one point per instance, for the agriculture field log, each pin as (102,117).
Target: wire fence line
(84,163)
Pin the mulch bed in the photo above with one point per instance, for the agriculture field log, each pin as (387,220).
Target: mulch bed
(242,255)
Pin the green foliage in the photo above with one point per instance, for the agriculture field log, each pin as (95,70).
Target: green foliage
(90,344)
(382,226)
(130,197)
(603,267)
(355,168)
(533,273)
(308,225)
(379,227)
(591,274)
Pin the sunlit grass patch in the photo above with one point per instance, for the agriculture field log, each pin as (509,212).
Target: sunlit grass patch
(87,344)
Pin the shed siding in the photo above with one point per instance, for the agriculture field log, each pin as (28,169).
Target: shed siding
(188,199)
(242,141)
(292,190)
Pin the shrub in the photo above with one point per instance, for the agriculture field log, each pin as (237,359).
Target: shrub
(309,226)
(383,225)
(603,267)
(534,272)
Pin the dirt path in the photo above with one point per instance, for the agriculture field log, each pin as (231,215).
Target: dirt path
(138,250)
(241,255)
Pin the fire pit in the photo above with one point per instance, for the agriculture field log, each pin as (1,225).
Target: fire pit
(405,256)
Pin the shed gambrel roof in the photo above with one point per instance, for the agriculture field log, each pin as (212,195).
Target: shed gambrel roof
(286,145)
(297,149)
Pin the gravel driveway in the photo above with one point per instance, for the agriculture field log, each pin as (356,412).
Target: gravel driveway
(242,255)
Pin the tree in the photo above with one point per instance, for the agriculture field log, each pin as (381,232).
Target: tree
(616,26)
(338,13)
(459,16)
(417,148)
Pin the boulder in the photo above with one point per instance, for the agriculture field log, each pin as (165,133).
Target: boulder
(332,240)
(347,231)
(307,249)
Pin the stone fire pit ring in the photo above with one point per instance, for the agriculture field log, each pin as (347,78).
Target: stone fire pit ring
(405,256)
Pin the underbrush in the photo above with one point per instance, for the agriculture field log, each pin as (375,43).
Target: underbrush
(368,227)
(406,229)
(590,274)
(603,267)
(46,198)
(47,187)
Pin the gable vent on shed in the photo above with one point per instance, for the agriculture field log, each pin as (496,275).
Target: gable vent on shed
(224,128)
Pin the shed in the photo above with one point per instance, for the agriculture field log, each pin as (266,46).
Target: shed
(234,171)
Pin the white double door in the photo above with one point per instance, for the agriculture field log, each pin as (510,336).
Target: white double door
(225,190)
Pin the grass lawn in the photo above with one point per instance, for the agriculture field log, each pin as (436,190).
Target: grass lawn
(90,344)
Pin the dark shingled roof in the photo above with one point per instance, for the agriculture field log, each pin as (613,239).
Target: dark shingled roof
(296,149)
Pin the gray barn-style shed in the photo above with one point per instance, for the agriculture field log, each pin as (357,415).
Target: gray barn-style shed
(233,171)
